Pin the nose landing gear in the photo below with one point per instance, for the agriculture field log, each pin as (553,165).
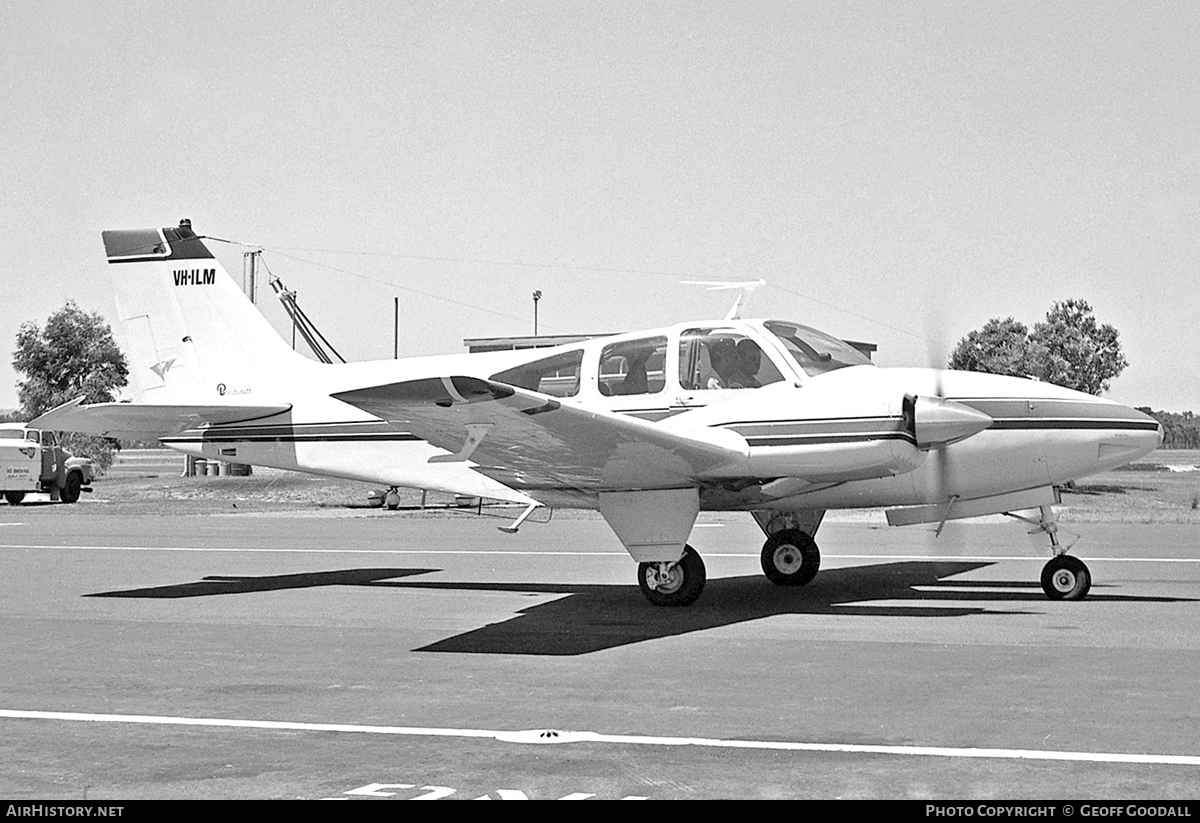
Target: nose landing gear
(1064,577)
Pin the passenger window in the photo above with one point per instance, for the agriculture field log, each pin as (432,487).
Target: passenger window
(634,367)
(557,376)
(723,359)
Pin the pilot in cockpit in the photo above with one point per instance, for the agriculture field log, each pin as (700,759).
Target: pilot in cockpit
(747,362)
(734,365)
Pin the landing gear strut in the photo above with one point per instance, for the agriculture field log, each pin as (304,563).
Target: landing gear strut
(1064,577)
(673,584)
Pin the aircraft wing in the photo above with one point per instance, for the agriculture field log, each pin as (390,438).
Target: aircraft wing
(145,420)
(529,441)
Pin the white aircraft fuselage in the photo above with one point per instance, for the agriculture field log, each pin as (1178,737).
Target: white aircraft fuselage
(649,427)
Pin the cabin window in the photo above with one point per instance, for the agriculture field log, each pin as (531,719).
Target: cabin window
(634,367)
(557,376)
(723,359)
(814,351)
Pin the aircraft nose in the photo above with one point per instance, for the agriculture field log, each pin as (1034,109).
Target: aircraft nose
(1101,433)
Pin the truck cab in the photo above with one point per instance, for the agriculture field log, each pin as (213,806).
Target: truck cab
(32,461)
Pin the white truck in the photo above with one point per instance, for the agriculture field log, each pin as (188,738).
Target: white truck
(31,461)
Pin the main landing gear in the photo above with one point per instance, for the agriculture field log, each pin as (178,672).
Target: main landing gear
(673,584)
(1064,577)
(790,557)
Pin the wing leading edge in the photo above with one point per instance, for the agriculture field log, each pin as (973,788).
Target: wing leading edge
(530,441)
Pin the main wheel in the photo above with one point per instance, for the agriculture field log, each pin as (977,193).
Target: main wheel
(673,584)
(14,498)
(790,557)
(70,492)
(1066,578)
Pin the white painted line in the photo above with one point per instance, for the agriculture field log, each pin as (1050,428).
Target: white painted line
(539,737)
(993,557)
(492,552)
(931,558)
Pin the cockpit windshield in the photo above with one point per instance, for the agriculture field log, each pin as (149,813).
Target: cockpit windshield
(815,351)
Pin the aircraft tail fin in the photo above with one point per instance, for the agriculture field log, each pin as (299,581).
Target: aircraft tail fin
(194,337)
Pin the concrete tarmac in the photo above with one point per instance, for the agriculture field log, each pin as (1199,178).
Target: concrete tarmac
(366,654)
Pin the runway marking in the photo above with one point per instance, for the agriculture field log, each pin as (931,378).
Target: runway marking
(933,558)
(541,737)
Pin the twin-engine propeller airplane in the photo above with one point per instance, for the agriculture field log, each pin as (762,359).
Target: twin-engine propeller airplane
(764,416)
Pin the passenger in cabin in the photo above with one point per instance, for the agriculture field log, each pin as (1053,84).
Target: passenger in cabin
(636,380)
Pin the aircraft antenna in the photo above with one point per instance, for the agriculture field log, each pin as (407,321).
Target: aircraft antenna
(746,287)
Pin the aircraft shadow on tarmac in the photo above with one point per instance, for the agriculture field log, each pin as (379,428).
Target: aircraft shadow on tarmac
(592,618)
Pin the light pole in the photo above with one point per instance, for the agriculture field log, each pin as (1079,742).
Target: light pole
(537,295)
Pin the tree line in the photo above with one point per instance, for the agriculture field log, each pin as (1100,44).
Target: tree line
(1180,430)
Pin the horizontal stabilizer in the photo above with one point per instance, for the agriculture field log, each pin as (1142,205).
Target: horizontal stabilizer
(146,420)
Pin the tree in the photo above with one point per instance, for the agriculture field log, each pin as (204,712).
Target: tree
(1000,347)
(73,355)
(1069,349)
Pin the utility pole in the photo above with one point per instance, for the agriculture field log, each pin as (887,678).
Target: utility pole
(537,295)
(396,331)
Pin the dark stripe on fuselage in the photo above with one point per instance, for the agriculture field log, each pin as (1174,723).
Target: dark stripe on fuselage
(1037,413)
(821,431)
(822,439)
(1008,414)
(1036,407)
(331,438)
(1089,425)
(366,431)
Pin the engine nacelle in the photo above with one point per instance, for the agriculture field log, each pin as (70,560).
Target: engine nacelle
(935,422)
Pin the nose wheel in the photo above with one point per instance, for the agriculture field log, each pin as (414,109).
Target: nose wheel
(1066,578)
(673,584)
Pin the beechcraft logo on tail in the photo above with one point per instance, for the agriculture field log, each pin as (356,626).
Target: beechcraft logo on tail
(195,277)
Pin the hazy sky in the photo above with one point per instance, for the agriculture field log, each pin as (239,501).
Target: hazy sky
(899,172)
